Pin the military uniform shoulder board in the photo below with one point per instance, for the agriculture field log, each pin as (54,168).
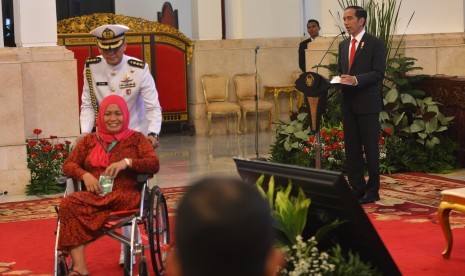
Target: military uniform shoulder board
(136,63)
(92,60)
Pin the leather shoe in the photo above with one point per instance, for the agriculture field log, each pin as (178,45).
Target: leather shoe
(358,194)
(368,199)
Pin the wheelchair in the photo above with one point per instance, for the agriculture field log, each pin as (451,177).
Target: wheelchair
(152,214)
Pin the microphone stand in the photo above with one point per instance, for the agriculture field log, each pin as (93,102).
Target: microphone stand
(317,134)
(334,39)
(256,108)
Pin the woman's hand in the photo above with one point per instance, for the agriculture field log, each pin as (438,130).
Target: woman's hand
(114,168)
(91,183)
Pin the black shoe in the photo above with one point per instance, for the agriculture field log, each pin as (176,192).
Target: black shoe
(358,194)
(368,199)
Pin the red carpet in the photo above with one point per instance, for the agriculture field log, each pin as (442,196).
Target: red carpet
(416,248)
(27,240)
(405,218)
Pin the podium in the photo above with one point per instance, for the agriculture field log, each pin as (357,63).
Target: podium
(315,89)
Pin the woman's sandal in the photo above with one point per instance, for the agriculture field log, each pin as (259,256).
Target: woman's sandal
(76,273)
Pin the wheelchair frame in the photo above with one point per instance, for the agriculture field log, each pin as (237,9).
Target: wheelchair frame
(152,213)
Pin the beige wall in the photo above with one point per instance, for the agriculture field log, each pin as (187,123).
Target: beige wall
(277,59)
(39,90)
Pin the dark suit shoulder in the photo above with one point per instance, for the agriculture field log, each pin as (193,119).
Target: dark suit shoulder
(367,37)
(306,41)
(346,40)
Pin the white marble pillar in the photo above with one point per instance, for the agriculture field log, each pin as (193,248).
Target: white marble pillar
(234,26)
(206,20)
(35,23)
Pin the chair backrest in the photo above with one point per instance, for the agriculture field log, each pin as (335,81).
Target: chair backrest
(215,87)
(245,86)
(296,75)
(165,49)
(168,16)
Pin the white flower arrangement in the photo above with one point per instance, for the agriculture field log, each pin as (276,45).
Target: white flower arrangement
(304,259)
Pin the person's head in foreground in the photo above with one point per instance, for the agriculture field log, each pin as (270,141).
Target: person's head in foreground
(111,42)
(223,227)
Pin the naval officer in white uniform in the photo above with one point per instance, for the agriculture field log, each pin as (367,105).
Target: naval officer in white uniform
(113,72)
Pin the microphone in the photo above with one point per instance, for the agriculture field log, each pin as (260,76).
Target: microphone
(327,50)
(4,193)
(257,48)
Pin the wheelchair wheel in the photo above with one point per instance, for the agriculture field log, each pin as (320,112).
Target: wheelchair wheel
(143,268)
(159,234)
(62,267)
(127,260)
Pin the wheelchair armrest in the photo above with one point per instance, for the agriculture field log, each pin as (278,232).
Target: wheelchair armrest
(73,186)
(61,181)
(142,178)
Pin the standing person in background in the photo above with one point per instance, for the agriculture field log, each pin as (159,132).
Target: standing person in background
(361,65)
(313,29)
(114,73)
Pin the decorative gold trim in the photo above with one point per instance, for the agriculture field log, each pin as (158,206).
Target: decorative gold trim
(86,23)
(134,39)
(75,41)
(93,100)
(175,117)
(170,40)
(309,80)
(147,56)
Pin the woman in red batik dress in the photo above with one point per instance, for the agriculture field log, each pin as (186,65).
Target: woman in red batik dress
(114,151)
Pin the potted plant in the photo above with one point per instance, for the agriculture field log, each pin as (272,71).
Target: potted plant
(45,157)
(303,256)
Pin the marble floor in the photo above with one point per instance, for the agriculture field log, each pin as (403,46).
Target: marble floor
(184,159)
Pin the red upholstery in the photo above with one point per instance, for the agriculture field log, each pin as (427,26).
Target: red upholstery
(169,84)
(167,62)
(134,50)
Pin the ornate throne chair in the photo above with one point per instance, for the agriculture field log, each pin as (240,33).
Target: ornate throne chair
(165,49)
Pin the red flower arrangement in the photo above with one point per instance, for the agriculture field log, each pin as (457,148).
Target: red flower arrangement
(333,148)
(45,157)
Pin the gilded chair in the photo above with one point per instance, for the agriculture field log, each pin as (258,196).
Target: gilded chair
(300,95)
(452,200)
(245,91)
(215,91)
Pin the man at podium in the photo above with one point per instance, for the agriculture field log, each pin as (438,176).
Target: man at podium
(361,65)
